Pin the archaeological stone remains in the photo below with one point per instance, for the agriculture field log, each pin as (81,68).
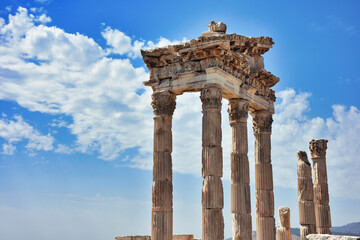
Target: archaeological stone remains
(230,66)
(283,232)
(321,192)
(306,196)
(218,65)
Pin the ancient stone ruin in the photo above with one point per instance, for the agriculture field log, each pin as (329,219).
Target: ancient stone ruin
(283,232)
(306,196)
(321,192)
(230,66)
(314,209)
(218,65)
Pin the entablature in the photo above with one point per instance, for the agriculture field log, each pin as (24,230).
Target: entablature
(236,58)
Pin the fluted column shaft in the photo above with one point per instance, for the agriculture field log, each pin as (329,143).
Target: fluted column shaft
(321,192)
(284,232)
(305,196)
(212,165)
(240,179)
(163,104)
(265,221)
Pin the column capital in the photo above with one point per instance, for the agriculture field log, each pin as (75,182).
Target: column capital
(163,103)
(211,97)
(318,148)
(262,121)
(238,110)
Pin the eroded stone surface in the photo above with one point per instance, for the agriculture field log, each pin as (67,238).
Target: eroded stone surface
(240,188)
(321,193)
(330,237)
(183,237)
(212,191)
(137,237)
(283,232)
(305,196)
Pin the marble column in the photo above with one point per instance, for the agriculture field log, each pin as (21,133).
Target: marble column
(212,165)
(283,232)
(265,221)
(321,192)
(305,196)
(240,179)
(163,104)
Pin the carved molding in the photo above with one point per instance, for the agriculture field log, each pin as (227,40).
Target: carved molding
(163,103)
(237,55)
(262,121)
(211,97)
(318,148)
(238,110)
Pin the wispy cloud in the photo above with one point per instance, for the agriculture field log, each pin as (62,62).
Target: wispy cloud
(17,130)
(334,23)
(122,44)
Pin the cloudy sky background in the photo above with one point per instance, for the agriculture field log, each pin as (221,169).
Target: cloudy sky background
(76,122)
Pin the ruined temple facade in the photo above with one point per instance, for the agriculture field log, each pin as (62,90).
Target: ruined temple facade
(218,65)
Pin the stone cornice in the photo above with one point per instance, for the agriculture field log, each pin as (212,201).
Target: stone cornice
(237,55)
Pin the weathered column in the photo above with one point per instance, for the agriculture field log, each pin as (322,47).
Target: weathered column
(305,196)
(240,180)
(265,221)
(212,191)
(283,232)
(321,192)
(163,104)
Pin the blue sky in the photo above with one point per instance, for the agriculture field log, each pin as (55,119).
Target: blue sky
(76,122)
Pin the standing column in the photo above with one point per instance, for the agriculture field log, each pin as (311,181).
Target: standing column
(306,196)
(321,192)
(163,104)
(283,232)
(212,191)
(240,180)
(265,221)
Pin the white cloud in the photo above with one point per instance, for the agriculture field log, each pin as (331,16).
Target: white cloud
(122,44)
(8,149)
(48,70)
(42,1)
(2,22)
(43,19)
(61,148)
(18,130)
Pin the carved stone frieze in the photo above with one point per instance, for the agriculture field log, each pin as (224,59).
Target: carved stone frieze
(237,55)
(262,121)
(163,103)
(238,110)
(318,148)
(211,97)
